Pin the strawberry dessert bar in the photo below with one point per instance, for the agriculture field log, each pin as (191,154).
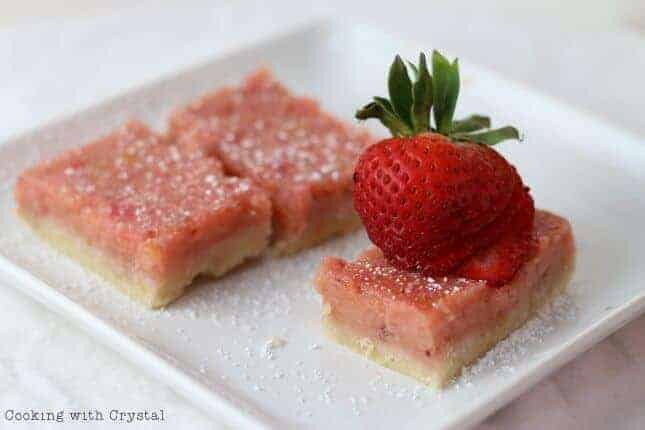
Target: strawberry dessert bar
(301,156)
(144,213)
(462,258)
(430,328)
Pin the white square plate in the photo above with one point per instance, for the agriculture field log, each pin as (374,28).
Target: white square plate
(212,344)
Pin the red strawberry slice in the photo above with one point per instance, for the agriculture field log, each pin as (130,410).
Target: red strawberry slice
(498,264)
(447,260)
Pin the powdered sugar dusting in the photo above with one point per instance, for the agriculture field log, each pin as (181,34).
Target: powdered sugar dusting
(373,275)
(136,183)
(508,353)
(262,131)
(257,331)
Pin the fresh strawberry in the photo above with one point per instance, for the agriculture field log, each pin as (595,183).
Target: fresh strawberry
(437,199)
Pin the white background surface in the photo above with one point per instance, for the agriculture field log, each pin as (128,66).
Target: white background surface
(593,58)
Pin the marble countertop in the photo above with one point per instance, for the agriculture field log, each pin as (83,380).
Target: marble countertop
(55,65)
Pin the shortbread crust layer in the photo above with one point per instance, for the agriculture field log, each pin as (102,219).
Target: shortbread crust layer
(153,293)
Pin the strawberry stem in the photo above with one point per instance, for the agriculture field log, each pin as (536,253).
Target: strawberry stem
(470,124)
(489,137)
(411,104)
(421,97)
(400,88)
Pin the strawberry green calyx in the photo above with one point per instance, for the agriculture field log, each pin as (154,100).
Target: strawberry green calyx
(413,102)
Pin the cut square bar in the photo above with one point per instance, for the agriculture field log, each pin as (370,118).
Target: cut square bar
(144,213)
(431,328)
(302,156)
